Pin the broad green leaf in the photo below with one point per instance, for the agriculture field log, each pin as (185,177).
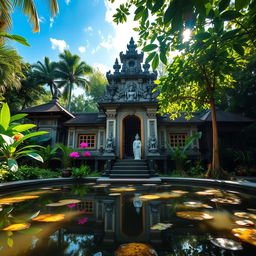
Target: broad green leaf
(5,116)
(12,164)
(150,57)
(23,127)
(144,16)
(31,231)
(230,34)
(16,38)
(203,35)
(223,5)
(138,13)
(230,15)
(8,140)
(35,156)
(163,58)
(18,117)
(30,135)
(240,4)
(157,6)
(149,47)
(239,49)
(30,146)
(155,62)
(169,13)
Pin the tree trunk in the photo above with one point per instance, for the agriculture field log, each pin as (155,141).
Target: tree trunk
(214,171)
(70,96)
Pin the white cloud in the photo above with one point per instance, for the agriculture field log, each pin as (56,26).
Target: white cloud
(51,22)
(61,45)
(67,2)
(88,29)
(81,49)
(122,32)
(101,67)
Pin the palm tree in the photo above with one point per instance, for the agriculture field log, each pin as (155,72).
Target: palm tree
(71,72)
(28,7)
(10,68)
(45,73)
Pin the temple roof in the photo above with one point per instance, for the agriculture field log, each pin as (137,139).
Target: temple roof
(165,119)
(85,119)
(53,107)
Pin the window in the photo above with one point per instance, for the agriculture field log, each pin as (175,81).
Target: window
(86,207)
(177,139)
(88,138)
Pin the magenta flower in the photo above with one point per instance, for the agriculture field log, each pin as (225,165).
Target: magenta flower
(84,145)
(86,153)
(71,205)
(82,220)
(74,154)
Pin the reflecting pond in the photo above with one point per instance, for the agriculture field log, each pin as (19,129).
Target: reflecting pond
(127,220)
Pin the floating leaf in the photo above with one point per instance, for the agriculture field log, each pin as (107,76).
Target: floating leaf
(196,205)
(122,189)
(161,226)
(226,200)
(149,197)
(70,201)
(101,186)
(246,215)
(245,234)
(166,195)
(50,217)
(17,199)
(114,194)
(16,227)
(135,249)
(227,244)
(207,192)
(246,223)
(194,215)
(179,191)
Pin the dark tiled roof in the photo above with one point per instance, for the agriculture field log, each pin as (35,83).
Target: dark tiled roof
(86,119)
(50,107)
(165,119)
(223,116)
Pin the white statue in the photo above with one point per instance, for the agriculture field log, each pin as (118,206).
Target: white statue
(137,147)
(131,93)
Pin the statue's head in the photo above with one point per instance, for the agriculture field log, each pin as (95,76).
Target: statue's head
(137,137)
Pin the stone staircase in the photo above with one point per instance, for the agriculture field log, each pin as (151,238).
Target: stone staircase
(130,168)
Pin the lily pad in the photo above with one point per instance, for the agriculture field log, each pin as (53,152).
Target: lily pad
(208,192)
(245,234)
(246,215)
(197,205)
(245,223)
(161,226)
(226,200)
(135,249)
(149,197)
(179,191)
(122,189)
(227,244)
(50,217)
(114,194)
(191,215)
(166,195)
(16,227)
(17,199)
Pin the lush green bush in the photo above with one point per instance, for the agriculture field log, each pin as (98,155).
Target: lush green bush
(27,173)
(84,171)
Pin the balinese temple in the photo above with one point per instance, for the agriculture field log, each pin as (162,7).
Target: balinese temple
(129,107)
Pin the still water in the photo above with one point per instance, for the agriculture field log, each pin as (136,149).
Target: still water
(151,219)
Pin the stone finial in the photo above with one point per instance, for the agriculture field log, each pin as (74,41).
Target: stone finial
(116,66)
(131,46)
(146,67)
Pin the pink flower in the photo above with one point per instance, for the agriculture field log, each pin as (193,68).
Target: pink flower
(74,154)
(84,145)
(82,220)
(71,205)
(86,153)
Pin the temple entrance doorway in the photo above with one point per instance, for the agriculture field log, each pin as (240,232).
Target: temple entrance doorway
(131,126)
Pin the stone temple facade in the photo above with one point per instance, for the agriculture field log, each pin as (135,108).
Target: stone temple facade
(129,107)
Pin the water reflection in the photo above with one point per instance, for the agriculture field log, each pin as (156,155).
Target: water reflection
(96,220)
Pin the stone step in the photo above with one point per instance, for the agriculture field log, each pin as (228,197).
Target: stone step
(129,176)
(130,164)
(130,167)
(130,160)
(129,171)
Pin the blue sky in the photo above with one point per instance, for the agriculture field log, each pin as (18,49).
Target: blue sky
(85,27)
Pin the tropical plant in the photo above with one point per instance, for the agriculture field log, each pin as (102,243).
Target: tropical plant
(45,73)
(80,172)
(65,155)
(19,98)
(28,7)
(11,138)
(71,71)
(179,154)
(81,104)
(48,154)
(10,68)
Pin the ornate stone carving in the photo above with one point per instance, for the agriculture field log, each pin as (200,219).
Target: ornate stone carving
(109,144)
(152,144)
